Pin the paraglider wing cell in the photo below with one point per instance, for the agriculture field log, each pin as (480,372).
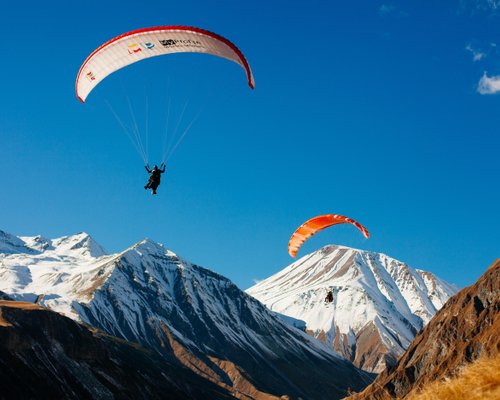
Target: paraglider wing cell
(140,44)
(316,224)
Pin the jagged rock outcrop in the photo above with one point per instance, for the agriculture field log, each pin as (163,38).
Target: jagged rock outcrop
(465,329)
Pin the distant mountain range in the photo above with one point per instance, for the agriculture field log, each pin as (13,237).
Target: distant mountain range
(184,313)
(379,303)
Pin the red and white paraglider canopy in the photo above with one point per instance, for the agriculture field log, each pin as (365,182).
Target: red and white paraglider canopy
(140,44)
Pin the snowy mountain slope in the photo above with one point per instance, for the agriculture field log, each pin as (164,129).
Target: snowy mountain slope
(10,244)
(147,294)
(79,246)
(379,303)
(30,264)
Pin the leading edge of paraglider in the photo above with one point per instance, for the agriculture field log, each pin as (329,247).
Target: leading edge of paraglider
(250,78)
(317,224)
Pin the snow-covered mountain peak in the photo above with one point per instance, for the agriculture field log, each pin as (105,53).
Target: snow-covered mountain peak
(37,243)
(81,244)
(372,292)
(76,246)
(148,246)
(150,257)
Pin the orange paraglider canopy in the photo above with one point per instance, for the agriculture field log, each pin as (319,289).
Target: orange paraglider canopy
(316,224)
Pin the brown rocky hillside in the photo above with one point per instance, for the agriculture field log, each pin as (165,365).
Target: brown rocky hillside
(44,355)
(465,329)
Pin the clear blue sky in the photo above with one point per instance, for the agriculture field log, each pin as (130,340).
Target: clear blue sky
(372,110)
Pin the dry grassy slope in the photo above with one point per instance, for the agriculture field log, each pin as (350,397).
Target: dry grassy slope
(477,381)
(465,329)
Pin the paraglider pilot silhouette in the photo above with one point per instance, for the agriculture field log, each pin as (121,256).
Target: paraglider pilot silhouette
(154,177)
(329,297)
